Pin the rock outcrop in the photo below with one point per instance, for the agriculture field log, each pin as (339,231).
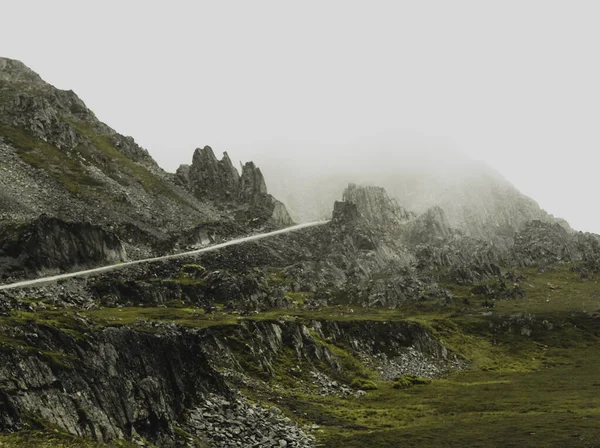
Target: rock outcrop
(546,243)
(210,178)
(49,244)
(252,183)
(429,228)
(15,71)
(376,206)
(147,381)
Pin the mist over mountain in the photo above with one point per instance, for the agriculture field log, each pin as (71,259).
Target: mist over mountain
(417,171)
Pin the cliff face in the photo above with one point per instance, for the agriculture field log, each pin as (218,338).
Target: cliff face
(129,383)
(48,244)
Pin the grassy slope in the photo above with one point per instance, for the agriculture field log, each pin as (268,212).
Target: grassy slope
(50,439)
(523,390)
(72,168)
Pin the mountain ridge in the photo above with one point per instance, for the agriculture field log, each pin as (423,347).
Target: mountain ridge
(57,159)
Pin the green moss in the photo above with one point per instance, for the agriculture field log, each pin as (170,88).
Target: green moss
(362,384)
(299,298)
(189,438)
(58,360)
(277,278)
(406,381)
(68,169)
(121,168)
(194,269)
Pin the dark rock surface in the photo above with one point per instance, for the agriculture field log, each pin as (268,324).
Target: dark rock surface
(122,382)
(210,178)
(50,244)
(115,384)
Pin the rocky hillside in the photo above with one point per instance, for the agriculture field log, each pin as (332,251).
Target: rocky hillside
(58,160)
(341,334)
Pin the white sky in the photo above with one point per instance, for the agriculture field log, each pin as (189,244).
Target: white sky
(513,83)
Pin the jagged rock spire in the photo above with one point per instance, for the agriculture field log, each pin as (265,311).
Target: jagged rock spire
(208,177)
(212,178)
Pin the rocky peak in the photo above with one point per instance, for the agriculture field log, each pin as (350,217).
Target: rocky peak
(252,182)
(183,175)
(210,177)
(429,227)
(54,116)
(345,212)
(376,206)
(12,70)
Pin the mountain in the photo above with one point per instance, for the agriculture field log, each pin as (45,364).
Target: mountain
(446,314)
(59,161)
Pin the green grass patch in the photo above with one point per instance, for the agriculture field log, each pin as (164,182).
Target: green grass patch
(68,169)
(121,168)
(406,381)
(54,438)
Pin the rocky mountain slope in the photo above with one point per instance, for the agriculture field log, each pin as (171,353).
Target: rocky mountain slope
(58,160)
(386,326)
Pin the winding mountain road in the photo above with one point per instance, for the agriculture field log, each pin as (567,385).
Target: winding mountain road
(164,257)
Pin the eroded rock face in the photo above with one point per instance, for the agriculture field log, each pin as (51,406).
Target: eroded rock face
(544,242)
(376,206)
(430,227)
(50,243)
(345,212)
(252,185)
(212,178)
(15,71)
(121,382)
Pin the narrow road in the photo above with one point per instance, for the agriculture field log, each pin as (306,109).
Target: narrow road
(164,257)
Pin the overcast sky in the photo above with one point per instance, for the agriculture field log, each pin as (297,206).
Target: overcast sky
(513,83)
